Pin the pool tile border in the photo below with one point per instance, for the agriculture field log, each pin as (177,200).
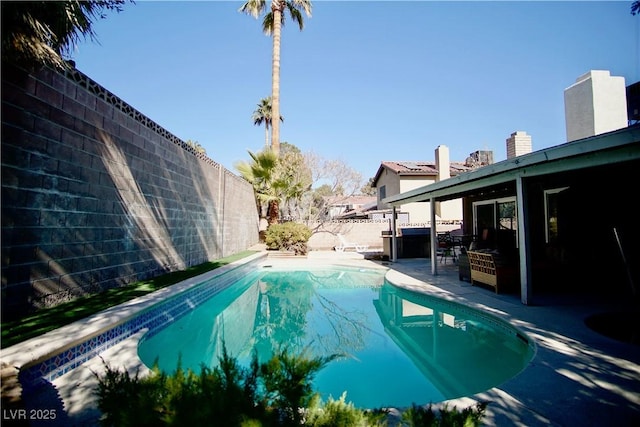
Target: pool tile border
(172,306)
(40,361)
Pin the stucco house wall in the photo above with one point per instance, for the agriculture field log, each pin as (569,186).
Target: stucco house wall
(419,212)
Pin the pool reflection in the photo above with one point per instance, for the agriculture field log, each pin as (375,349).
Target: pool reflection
(451,347)
(399,347)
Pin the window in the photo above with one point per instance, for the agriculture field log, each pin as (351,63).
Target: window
(507,215)
(496,223)
(382,192)
(552,199)
(484,216)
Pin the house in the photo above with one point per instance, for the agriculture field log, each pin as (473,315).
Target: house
(567,214)
(347,207)
(394,177)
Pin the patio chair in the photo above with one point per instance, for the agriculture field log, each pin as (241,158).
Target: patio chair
(446,247)
(344,244)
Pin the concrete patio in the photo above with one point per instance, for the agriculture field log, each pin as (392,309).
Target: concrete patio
(577,377)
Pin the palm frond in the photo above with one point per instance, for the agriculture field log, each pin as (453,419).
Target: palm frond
(295,8)
(296,16)
(267,24)
(41,33)
(304,5)
(253,7)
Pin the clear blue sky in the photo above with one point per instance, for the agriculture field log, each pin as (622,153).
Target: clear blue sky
(365,81)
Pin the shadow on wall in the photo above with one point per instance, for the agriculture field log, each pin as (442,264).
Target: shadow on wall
(147,218)
(95,195)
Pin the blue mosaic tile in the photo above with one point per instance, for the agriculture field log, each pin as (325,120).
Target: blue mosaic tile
(154,318)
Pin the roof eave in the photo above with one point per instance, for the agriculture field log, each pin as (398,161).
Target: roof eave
(509,168)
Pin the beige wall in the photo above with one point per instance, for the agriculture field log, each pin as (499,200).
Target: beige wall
(362,232)
(596,103)
(390,181)
(419,212)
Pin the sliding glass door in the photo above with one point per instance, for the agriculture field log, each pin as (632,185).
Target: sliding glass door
(495,223)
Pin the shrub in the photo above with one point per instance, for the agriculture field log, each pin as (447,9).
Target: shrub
(268,394)
(342,413)
(417,416)
(275,393)
(127,400)
(289,236)
(226,394)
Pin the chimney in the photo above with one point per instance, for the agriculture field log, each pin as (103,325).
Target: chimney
(443,165)
(479,158)
(596,103)
(518,143)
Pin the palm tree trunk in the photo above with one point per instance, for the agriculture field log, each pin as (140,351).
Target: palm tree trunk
(266,134)
(273,212)
(277,7)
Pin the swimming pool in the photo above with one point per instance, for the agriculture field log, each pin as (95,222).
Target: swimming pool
(399,347)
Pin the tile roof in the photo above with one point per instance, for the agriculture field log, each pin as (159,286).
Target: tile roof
(423,168)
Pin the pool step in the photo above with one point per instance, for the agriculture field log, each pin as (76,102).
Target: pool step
(284,254)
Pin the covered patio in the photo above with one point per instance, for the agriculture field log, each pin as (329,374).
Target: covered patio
(566,214)
(578,375)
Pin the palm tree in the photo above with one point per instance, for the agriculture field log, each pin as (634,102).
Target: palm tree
(272,25)
(263,115)
(262,174)
(42,33)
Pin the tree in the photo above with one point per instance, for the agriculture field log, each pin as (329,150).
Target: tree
(635,8)
(368,189)
(196,146)
(289,181)
(332,180)
(45,32)
(296,176)
(272,25)
(276,180)
(261,173)
(261,115)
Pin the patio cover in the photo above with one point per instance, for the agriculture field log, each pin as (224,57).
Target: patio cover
(606,149)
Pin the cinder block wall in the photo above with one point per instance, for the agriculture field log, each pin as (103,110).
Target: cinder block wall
(96,195)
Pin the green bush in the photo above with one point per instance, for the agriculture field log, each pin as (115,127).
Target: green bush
(275,393)
(267,394)
(287,383)
(227,394)
(417,416)
(342,413)
(289,236)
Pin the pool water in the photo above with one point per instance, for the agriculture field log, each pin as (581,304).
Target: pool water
(399,347)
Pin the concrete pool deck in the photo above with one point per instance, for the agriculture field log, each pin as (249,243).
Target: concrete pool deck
(577,377)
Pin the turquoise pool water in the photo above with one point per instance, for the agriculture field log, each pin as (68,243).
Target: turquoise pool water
(401,347)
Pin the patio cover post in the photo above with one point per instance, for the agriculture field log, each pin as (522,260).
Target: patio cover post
(434,238)
(524,243)
(394,239)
